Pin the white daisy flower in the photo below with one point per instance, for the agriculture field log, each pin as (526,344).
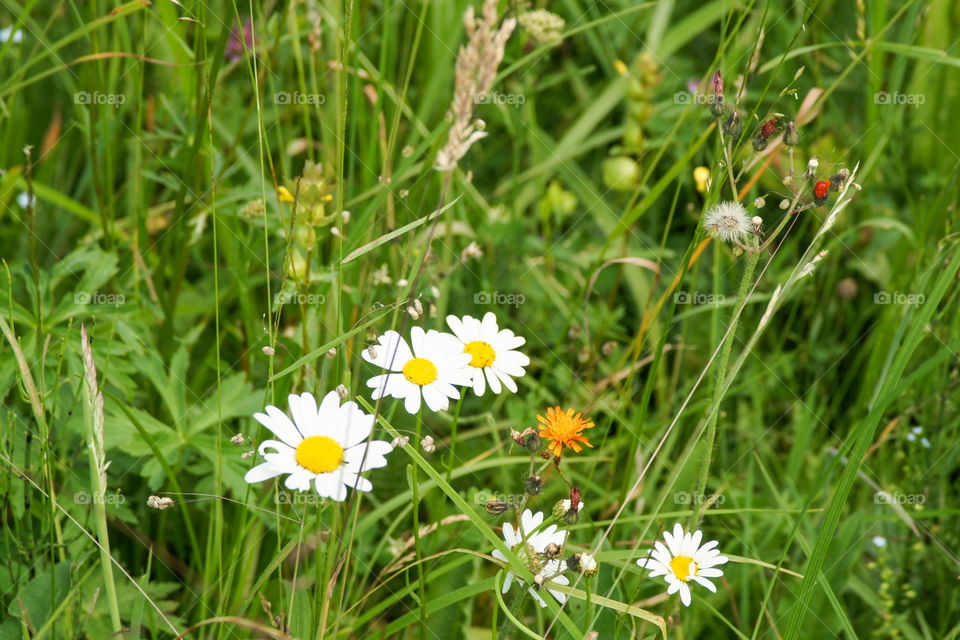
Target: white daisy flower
(683,560)
(492,356)
(430,371)
(326,446)
(529,545)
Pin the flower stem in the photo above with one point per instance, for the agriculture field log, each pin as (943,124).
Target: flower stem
(416,536)
(453,436)
(516,601)
(728,338)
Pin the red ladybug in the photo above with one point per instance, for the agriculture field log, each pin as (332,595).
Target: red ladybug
(820,189)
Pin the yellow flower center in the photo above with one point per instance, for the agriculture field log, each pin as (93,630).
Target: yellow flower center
(319,454)
(680,566)
(483,354)
(420,371)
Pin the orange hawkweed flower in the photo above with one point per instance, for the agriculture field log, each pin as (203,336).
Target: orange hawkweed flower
(565,429)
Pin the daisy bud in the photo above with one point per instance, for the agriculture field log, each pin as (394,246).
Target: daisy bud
(538,581)
(588,565)
(495,507)
(552,551)
(237,439)
(332,353)
(268,350)
(573,562)
(533,485)
(608,348)
(342,391)
(418,306)
(156,502)
(428,445)
(784,204)
(372,352)
(413,313)
(400,441)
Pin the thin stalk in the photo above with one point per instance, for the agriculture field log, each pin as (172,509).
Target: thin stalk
(752,258)
(453,435)
(416,536)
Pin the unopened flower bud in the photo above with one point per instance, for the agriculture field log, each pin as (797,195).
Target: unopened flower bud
(608,348)
(784,204)
(372,352)
(533,485)
(428,445)
(342,391)
(268,350)
(757,222)
(531,440)
(400,442)
(791,137)
(574,332)
(413,313)
(157,502)
(246,454)
(588,565)
(331,353)
(238,439)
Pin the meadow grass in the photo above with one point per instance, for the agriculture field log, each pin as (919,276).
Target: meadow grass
(207,207)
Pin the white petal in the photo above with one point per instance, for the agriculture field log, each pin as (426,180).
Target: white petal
(507,581)
(493,380)
(371,455)
(435,400)
(705,583)
(685,594)
(278,422)
(536,596)
(412,402)
(261,472)
(392,352)
(479,382)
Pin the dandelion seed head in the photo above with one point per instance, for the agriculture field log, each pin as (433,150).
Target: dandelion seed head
(729,222)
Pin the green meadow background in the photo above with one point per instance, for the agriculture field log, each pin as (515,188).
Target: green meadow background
(154,145)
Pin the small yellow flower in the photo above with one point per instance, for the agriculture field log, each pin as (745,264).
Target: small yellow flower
(701,176)
(284,194)
(565,429)
(620,66)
